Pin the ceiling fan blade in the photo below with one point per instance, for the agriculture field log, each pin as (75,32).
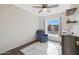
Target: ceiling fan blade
(37,7)
(40,11)
(52,6)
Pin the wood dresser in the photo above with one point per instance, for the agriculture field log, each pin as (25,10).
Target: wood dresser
(70,45)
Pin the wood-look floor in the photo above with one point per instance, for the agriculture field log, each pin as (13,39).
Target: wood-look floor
(16,51)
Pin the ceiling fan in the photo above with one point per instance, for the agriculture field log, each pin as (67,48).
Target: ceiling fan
(44,7)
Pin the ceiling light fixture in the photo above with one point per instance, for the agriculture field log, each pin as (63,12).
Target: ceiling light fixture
(44,9)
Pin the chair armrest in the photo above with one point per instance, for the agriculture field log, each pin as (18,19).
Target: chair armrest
(44,35)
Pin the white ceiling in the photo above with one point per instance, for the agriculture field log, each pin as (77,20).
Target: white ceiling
(29,8)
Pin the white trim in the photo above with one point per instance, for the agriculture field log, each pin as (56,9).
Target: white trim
(46,31)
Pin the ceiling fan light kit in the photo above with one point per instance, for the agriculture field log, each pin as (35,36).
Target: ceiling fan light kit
(44,9)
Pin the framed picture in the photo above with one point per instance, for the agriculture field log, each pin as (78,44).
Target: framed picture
(70,11)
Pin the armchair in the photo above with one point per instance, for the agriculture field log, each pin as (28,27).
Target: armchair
(41,36)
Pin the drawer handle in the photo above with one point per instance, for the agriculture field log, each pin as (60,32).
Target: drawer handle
(77,43)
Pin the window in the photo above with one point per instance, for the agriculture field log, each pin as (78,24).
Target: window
(53,26)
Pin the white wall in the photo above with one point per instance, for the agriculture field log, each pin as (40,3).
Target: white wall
(75,27)
(17,27)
